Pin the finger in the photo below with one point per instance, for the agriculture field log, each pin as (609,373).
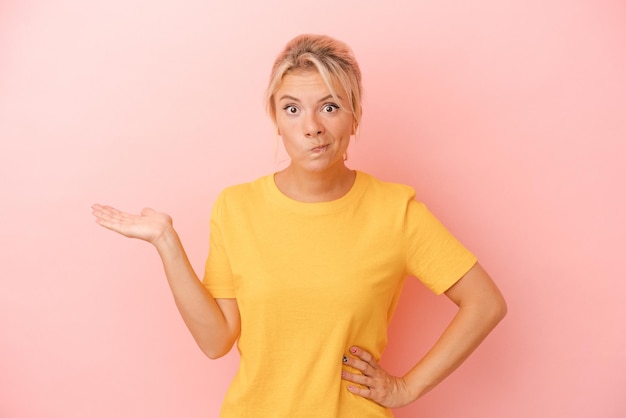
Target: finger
(103,208)
(97,209)
(103,211)
(361,391)
(357,378)
(110,217)
(364,368)
(99,212)
(108,221)
(114,213)
(364,355)
(363,361)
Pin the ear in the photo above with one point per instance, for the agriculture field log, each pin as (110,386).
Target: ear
(276,127)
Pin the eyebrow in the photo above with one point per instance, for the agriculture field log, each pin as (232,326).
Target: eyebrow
(295,99)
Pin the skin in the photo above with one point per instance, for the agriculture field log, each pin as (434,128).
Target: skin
(214,323)
(481,308)
(316,131)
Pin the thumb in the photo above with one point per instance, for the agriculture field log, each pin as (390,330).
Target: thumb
(147,211)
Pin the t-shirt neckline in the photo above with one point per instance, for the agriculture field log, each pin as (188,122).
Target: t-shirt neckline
(316,207)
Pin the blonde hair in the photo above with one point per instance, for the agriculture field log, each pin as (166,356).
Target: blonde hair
(332,59)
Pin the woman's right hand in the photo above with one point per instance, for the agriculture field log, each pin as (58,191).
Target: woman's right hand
(214,323)
(149,226)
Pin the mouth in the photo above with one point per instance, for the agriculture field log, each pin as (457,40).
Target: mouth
(320,148)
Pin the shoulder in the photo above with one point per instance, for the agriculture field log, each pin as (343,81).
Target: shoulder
(242,195)
(391,200)
(387,189)
(245,190)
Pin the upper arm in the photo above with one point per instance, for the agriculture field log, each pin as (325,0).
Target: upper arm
(230,310)
(477,289)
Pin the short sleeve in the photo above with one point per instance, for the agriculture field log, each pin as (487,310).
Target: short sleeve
(218,274)
(434,255)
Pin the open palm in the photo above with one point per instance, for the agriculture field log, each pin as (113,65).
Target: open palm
(148,226)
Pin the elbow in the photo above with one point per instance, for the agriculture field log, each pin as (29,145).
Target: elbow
(498,310)
(214,354)
(217,345)
(214,351)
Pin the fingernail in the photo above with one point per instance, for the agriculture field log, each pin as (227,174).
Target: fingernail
(345,359)
(353,350)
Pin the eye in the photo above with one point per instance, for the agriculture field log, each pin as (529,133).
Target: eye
(291,109)
(330,108)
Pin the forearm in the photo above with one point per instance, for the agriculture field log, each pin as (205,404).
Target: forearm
(463,335)
(200,311)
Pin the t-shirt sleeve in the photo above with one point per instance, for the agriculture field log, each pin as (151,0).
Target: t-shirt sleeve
(218,278)
(435,256)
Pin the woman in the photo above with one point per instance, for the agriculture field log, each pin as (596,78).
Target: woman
(305,266)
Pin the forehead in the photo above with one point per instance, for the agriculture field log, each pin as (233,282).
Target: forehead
(306,83)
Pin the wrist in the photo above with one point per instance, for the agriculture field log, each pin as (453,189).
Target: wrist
(416,387)
(167,240)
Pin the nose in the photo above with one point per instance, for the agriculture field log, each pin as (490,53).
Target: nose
(313,126)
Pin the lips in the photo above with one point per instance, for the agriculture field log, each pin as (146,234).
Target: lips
(320,148)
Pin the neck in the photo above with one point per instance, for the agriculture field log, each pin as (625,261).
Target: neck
(314,187)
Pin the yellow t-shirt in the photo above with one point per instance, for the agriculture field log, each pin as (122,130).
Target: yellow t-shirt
(313,279)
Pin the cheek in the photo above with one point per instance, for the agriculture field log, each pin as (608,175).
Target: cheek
(281,128)
(284,125)
(346,129)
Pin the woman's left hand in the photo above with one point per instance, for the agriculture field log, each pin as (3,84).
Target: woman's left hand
(374,382)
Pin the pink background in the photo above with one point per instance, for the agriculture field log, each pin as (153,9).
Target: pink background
(507,118)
